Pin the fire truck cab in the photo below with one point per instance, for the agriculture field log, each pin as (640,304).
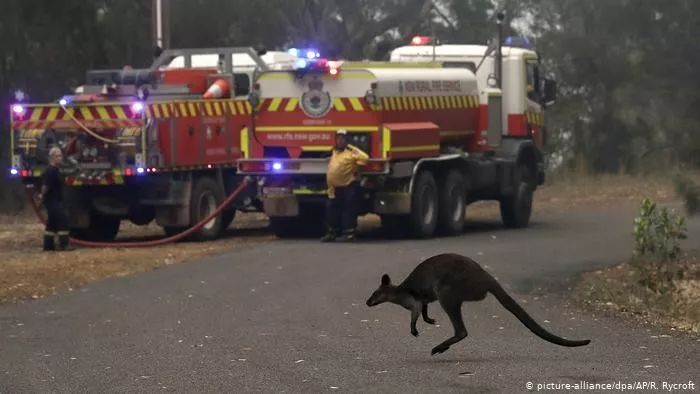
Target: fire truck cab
(523,90)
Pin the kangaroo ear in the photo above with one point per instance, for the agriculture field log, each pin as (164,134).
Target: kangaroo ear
(386,280)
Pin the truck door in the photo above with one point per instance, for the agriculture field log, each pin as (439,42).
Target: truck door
(533,108)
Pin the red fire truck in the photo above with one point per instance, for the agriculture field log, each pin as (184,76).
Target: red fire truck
(444,125)
(142,144)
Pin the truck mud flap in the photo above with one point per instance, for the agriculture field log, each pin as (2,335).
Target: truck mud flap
(284,205)
(392,203)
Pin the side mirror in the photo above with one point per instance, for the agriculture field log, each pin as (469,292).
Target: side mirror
(550,92)
(254,100)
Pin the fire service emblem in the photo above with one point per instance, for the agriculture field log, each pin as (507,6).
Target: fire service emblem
(315,102)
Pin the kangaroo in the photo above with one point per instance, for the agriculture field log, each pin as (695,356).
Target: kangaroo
(453,279)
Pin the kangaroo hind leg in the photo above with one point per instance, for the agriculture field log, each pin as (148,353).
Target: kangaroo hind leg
(454,312)
(425,315)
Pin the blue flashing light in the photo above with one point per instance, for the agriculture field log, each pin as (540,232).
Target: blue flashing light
(64,101)
(19,95)
(140,170)
(14,172)
(518,42)
(18,109)
(310,54)
(301,63)
(293,51)
(276,166)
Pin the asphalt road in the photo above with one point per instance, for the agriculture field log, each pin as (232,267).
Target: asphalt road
(289,316)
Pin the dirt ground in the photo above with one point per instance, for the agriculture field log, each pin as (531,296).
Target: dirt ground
(618,290)
(28,273)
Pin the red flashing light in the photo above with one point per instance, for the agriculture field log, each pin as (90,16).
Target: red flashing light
(128,171)
(333,67)
(24,173)
(421,40)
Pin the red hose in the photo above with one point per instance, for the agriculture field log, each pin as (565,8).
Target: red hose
(154,242)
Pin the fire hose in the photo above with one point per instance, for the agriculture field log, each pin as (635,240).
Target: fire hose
(156,242)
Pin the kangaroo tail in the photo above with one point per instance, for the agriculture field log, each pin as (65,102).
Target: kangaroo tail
(509,303)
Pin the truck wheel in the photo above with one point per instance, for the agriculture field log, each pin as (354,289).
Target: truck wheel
(101,229)
(227,218)
(170,231)
(207,195)
(107,227)
(142,215)
(451,204)
(424,206)
(517,208)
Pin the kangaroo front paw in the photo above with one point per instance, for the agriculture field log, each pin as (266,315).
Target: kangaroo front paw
(438,349)
(414,332)
(429,320)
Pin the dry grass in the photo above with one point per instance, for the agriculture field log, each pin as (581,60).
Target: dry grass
(588,192)
(27,272)
(618,290)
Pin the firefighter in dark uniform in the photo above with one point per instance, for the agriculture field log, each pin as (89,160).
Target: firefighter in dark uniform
(51,195)
(343,189)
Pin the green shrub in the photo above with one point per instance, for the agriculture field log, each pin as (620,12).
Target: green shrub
(657,236)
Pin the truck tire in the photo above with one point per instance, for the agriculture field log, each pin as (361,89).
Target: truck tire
(424,206)
(170,231)
(141,215)
(101,229)
(206,196)
(227,218)
(517,208)
(452,204)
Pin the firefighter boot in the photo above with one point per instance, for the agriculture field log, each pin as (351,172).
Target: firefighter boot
(347,236)
(330,236)
(63,243)
(49,244)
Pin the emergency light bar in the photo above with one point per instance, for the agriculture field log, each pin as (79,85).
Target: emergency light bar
(421,40)
(304,66)
(304,53)
(518,42)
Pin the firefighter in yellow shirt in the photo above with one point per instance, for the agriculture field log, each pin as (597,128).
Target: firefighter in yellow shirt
(343,189)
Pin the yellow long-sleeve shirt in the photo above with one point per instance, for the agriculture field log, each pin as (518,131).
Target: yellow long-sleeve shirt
(343,168)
